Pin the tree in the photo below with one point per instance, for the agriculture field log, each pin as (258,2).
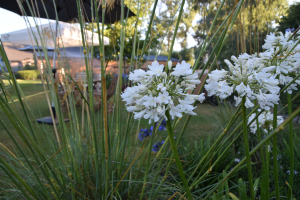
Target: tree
(250,28)
(291,20)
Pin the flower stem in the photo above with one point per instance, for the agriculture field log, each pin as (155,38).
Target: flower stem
(254,149)
(275,153)
(148,161)
(176,156)
(267,167)
(291,179)
(246,141)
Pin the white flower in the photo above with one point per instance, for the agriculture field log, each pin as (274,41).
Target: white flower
(241,89)
(170,64)
(238,100)
(266,100)
(139,115)
(248,103)
(149,101)
(200,97)
(163,98)
(182,69)
(152,115)
(175,111)
(216,75)
(137,75)
(265,120)
(155,92)
(155,68)
(212,88)
(258,76)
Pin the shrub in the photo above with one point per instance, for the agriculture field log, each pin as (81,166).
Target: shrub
(30,67)
(28,74)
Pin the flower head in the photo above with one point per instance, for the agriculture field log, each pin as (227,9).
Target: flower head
(265,120)
(245,77)
(155,91)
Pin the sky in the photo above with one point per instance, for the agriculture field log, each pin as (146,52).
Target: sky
(10,21)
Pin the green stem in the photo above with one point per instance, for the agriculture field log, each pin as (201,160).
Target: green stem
(267,167)
(176,156)
(246,141)
(275,153)
(259,145)
(149,27)
(291,179)
(263,192)
(198,180)
(148,161)
(175,31)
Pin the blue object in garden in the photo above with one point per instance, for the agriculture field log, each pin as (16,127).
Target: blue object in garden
(290,29)
(151,129)
(163,123)
(144,133)
(124,76)
(157,146)
(161,128)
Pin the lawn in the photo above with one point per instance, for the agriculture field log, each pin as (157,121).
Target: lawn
(208,120)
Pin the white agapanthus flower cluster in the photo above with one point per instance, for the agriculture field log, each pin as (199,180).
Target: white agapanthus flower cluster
(276,48)
(248,78)
(265,121)
(259,76)
(156,91)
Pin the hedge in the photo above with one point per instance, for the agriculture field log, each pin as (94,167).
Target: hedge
(28,74)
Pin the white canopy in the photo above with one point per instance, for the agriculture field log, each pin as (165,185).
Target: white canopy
(68,35)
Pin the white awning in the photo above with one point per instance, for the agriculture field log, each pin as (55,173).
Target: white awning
(68,35)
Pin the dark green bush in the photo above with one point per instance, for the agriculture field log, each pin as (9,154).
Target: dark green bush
(30,67)
(28,74)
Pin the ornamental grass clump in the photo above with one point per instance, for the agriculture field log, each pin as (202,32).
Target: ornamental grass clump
(157,91)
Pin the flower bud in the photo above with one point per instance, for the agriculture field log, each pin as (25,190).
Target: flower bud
(177,87)
(234,59)
(170,64)
(286,45)
(176,80)
(149,92)
(182,83)
(158,109)
(289,48)
(164,74)
(277,50)
(167,86)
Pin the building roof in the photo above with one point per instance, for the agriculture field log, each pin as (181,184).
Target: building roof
(160,58)
(14,54)
(32,48)
(69,52)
